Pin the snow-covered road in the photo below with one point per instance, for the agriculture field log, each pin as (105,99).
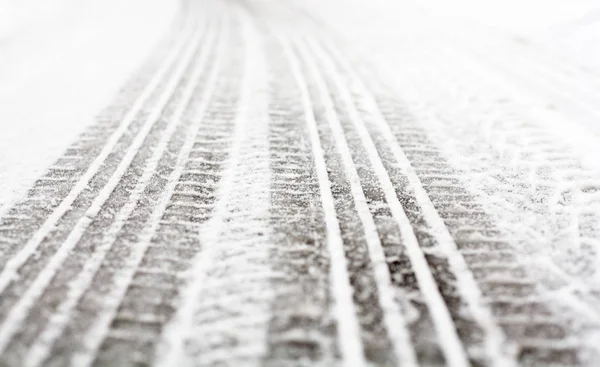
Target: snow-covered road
(282,183)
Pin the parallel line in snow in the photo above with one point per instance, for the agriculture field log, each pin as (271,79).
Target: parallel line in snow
(495,339)
(40,350)
(570,300)
(97,332)
(451,345)
(9,272)
(395,323)
(19,312)
(171,350)
(347,323)
(298,229)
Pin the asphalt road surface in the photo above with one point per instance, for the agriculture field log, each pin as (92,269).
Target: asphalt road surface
(261,193)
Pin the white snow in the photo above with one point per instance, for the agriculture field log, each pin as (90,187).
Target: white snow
(514,15)
(60,62)
(567,29)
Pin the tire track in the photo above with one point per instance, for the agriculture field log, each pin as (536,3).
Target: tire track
(348,327)
(122,238)
(404,291)
(30,213)
(392,322)
(543,167)
(561,184)
(208,225)
(147,282)
(39,272)
(447,264)
(506,285)
(301,327)
(84,167)
(222,317)
(442,320)
(127,327)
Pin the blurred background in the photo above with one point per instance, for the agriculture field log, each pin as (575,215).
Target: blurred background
(63,60)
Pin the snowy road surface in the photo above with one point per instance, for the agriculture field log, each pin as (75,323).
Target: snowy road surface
(281,183)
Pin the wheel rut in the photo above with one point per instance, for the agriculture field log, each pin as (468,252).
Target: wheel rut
(255,197)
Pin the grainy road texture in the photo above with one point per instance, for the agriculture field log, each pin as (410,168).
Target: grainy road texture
(260,194)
